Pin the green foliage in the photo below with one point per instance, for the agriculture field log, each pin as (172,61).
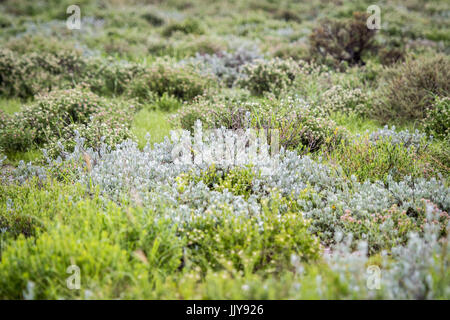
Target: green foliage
(154,123)
(437,120)
(31,73)
(269,76)
(117,247)
(392,55)
(109,77)
(212,232)
(187,26)
(112,247)
(16,135)
(153,18)
(238,181)
(375,160)
(346,101)
(162,78)
(412,85)
(254,244)
(51,8)
(167,103)
(56,116)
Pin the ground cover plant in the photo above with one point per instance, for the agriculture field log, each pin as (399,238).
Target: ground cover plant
(227,150)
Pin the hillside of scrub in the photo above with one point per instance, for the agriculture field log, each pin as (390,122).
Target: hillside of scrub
(224,150)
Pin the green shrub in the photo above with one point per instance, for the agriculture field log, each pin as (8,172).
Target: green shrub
(269,76)
(437,119)
(188,26)
(16,223)
(109,77)
(337,41)
(162,78)
(51,8)
(39,72)
(410,87)
(296,51)
(56,116)
(15,135)
(392,55)
(42,44)
(153,18)
(226,241)
(113,247)
(236,180)
(28,74)
(109,128)
(346,101)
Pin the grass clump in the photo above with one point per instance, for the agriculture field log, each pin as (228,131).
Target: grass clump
(373,160)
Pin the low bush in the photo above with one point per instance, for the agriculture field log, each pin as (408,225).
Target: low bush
(238,181)
(28,74)
(187,26)
(267,243)
(411,86)
(437,119)
(167,103)
(16,135)
(389,56)
(342,41)
(346,101)
(272,76)
(110,77)
(162,78)
(96,237)
(154,19)
(392,227)
(58,115)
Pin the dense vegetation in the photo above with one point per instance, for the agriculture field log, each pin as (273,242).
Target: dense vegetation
(224,149)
